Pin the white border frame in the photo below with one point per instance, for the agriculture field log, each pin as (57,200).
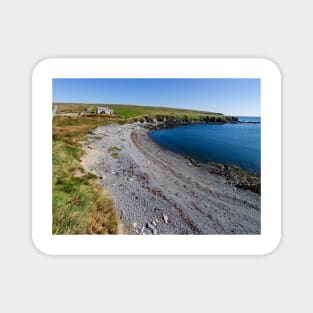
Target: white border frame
(264,69)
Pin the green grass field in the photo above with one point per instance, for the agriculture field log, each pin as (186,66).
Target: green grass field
(135,111)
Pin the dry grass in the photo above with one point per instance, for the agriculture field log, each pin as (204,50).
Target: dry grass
(80,204)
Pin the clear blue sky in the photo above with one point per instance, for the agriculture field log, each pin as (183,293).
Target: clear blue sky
(228,96)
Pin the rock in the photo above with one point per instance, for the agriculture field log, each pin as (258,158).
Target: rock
(134,225)
(165,218)
(131,179)
(152,228)
(153,222)
(100,177)
(192,162)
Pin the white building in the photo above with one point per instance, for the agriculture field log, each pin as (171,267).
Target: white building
(104,110)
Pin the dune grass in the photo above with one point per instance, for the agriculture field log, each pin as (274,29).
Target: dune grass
(80,203)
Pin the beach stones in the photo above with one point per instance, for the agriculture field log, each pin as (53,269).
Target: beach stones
(192,162)
(152,228)
(165,218)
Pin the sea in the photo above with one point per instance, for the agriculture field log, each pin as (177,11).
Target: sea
(229,144)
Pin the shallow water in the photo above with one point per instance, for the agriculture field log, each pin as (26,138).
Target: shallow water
(238,144)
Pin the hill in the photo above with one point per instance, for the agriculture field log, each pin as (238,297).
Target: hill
(130,112)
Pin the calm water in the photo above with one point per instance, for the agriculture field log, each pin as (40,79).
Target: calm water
(249,119)
(238,144)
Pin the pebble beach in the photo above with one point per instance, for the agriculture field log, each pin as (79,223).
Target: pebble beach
(156,191)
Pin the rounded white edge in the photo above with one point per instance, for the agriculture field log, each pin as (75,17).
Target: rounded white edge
(38,247)
(42,66)
(271,66)
(274,246)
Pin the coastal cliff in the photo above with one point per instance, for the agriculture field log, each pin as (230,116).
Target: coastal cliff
(163,121)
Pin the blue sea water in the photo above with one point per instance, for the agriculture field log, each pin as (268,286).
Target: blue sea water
(250,119)
(238,144)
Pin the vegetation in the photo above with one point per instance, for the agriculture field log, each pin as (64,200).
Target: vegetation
(113,149)
(114,155)
(80,204)
(128,112)
(114,152)
(92,110)
(135,112)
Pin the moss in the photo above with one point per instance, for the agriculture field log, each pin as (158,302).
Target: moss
(114,155)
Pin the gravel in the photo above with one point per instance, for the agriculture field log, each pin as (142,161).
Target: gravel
(161,192)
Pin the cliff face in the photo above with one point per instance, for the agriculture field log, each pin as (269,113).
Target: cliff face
(163,121)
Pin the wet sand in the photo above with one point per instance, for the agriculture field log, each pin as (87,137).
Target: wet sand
(156,191)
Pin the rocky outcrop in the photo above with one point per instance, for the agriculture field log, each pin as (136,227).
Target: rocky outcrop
(165,121)
(237,177)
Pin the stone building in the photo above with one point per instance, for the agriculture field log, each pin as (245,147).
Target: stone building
(104,110)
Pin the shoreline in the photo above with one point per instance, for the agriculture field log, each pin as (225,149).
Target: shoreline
(156,191)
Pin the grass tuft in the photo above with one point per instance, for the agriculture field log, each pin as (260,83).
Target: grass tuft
(114,155)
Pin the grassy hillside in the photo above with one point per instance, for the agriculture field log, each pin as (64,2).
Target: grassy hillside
(136,111)
(80,204)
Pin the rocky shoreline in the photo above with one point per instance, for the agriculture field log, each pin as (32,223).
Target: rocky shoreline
(156,191)
(234,175)
(237,177)
(161,121)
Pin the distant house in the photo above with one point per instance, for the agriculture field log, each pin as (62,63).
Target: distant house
(104,110)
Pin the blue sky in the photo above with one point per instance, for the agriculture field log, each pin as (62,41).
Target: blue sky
(227,96)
